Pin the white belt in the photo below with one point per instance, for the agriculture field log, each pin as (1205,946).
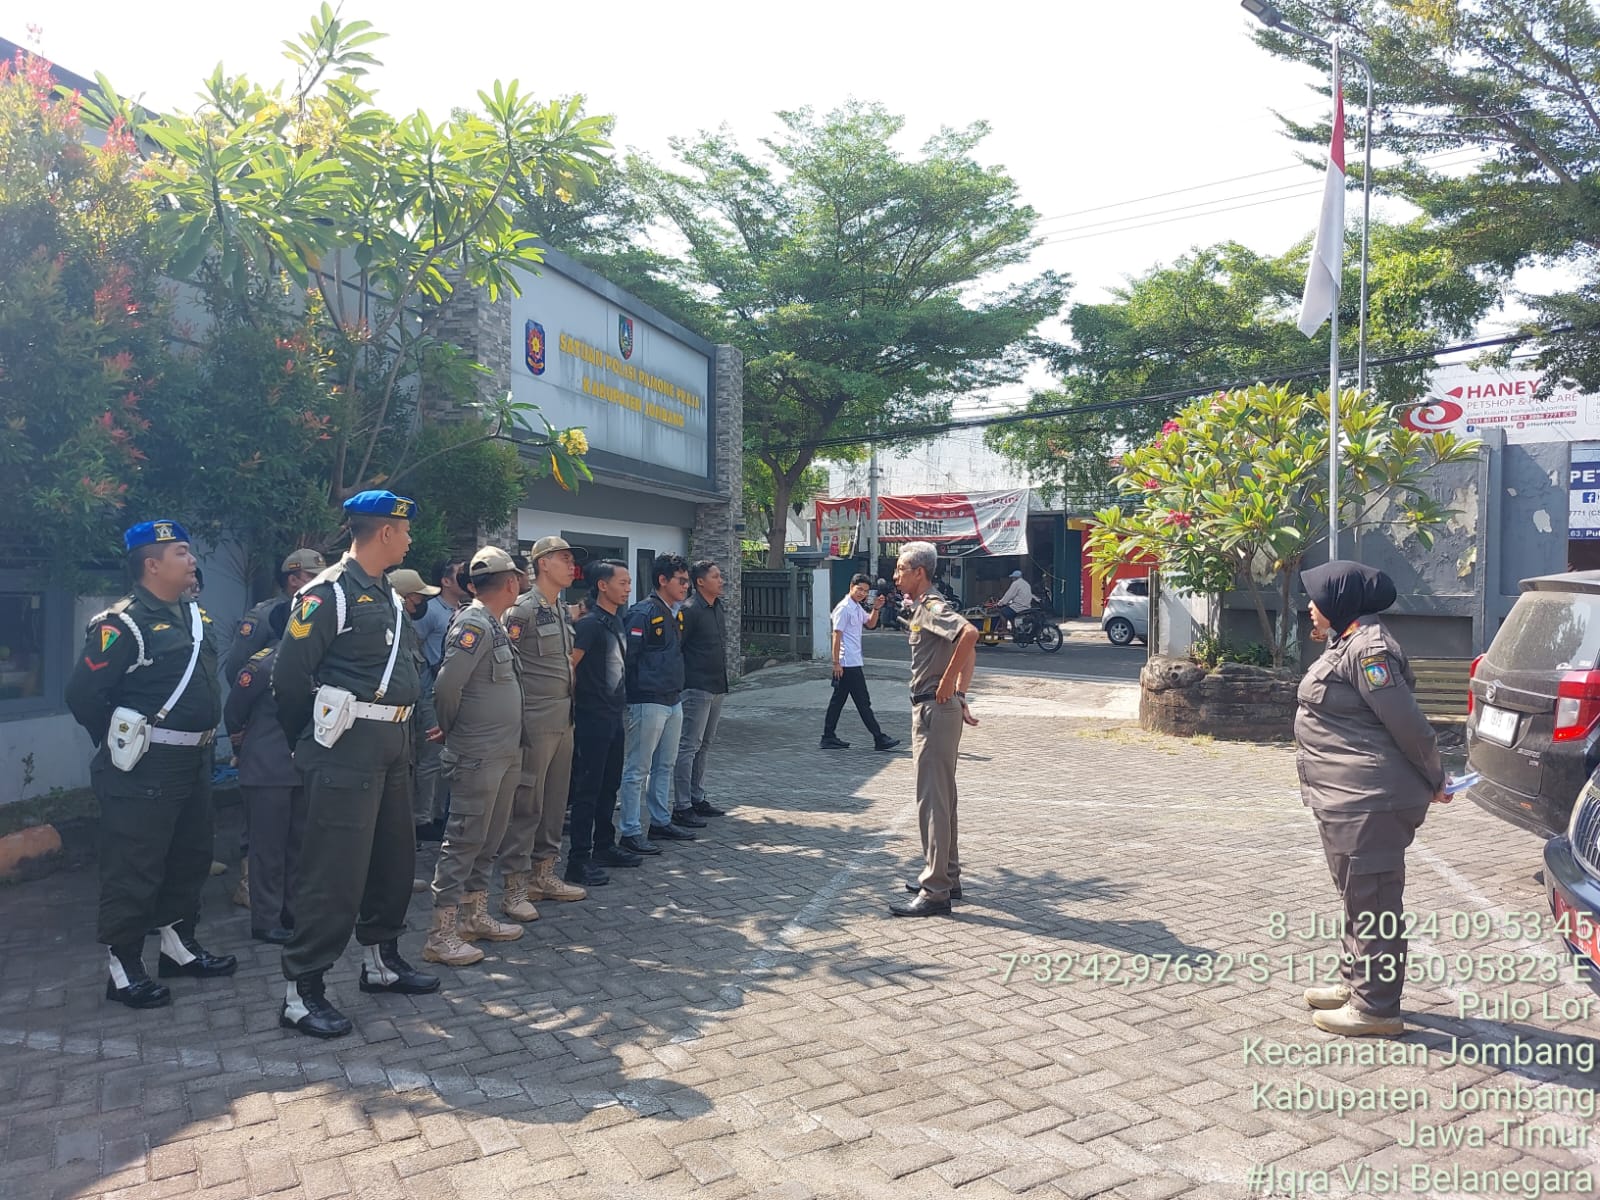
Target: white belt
(179,737)
(380,712)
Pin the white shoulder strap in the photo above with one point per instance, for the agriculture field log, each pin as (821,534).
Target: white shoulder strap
(394,645)
(197,631)
(138,640)
(329,576)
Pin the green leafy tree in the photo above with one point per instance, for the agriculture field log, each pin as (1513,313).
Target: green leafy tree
(853,277)
(1515,86)
(307,201)
(1218,317)
(82,324)
(1235,489)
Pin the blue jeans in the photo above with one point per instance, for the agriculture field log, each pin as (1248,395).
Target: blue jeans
(701,713)
(652,751)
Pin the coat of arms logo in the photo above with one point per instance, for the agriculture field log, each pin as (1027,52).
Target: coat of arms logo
(625,335)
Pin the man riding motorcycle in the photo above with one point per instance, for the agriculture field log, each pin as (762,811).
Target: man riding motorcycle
(1016,602)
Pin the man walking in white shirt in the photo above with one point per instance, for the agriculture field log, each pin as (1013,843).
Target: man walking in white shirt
(849,677)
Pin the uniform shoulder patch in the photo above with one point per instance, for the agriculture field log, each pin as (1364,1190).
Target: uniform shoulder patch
(1378,670)
(246,677)
(246,627)
(514,629)
(107,635)
(466,638)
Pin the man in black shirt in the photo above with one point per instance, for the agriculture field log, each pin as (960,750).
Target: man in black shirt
(705,686)
(599,701)
(146,690)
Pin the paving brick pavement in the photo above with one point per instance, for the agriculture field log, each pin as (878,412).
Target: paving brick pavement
(741,1018)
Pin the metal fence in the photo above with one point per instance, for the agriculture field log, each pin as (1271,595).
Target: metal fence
(777,609)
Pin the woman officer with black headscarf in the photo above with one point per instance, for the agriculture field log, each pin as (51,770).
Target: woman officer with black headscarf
(1369,768)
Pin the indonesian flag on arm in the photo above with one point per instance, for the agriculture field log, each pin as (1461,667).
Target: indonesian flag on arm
(1327,255)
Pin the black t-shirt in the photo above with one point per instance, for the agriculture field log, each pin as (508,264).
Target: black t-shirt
(600,685)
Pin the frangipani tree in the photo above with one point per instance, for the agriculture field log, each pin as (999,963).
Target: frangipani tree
(1234,492)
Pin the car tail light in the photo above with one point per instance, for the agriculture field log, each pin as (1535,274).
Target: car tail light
(1577,705)
(1472,673)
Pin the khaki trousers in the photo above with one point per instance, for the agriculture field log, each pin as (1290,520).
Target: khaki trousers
(482,791)
(935,743)
(534,835)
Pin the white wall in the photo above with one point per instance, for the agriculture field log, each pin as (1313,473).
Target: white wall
(533,524)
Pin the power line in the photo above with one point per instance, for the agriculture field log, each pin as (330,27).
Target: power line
(913,433)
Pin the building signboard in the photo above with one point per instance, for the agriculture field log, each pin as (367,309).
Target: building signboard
(640,393)
(958,523)
(1468,400)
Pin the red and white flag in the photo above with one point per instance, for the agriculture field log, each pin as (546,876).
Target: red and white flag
(1327,255)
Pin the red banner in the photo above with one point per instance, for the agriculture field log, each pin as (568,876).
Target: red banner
(958,523)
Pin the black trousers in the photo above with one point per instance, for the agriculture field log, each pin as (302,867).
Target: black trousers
(851,685)
(358,855)
(597,747)
(156,828)
(1366,854)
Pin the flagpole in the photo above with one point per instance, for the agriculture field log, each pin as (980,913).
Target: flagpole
(1333,365)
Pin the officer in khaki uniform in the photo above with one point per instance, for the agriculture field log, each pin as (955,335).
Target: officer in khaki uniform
(479,703)
(542,638)
(153,653)
(253,633)
(943,655)
(1369,768)
(346,636)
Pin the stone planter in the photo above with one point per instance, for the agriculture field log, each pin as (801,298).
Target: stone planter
(1233,702)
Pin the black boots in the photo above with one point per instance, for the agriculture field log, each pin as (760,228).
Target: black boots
(130,984)
(585,874)
(383,970)
(181,954)
(306,1008)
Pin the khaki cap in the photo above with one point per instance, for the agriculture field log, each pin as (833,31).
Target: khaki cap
(304,559)
(491,560)
(408,583)
(549,545)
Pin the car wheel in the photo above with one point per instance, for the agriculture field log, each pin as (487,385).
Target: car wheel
(1120,631)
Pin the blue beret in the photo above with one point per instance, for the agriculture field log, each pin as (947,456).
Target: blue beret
(147,533)
(377,503)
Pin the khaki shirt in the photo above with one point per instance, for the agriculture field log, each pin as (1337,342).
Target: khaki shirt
(1362,744)
(542,640)
(477,696)
(935,626)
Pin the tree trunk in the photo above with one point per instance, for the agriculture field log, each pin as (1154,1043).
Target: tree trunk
(782,489)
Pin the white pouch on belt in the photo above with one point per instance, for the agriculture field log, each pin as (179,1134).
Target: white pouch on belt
(332,712)
(128,738)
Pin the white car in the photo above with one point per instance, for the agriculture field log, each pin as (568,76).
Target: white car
(1127,614)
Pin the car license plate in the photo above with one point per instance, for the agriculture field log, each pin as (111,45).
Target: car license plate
(1580,927)
(1498,725)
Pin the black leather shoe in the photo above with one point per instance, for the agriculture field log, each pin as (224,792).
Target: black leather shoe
(684,818)
(639,845)
(913,886)
(277,935)
(615,856)
(140,991)
(307,1009)
(670,833)
(921,906)
(201,964)
(705,808)
(586,875)
(383,970)
(829,742)
(887,743)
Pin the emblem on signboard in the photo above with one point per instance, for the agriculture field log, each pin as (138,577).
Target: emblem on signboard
(533,347)
(625,335)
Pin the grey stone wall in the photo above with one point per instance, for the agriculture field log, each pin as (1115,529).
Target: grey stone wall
(482,328)
(716,532)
